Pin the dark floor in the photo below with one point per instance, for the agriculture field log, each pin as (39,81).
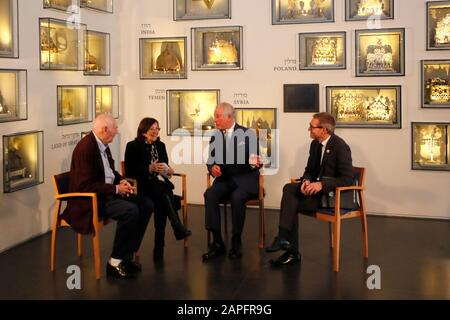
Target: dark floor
(414,257)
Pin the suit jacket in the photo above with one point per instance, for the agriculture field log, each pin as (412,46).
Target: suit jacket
(334,171)
(87,174)
(233,157)
(137,161)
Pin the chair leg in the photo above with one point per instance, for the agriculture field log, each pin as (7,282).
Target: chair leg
(365,235)
(261,226)
(79,238)
(96,243)
(55,226)
(185,222)
(330,226)
(337,244)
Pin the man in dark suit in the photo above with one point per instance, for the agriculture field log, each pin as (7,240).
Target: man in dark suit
(234,163)
(329,166)
(92,170)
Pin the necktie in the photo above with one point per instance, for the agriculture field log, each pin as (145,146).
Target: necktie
(109,156)
(321,153)
(319,160)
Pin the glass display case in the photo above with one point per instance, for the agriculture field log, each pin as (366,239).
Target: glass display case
(13,95)
(107,100)
(23,162)
(99,5)
(302,11)
(322,50)
(264,122)
(97,58)
(68,6)
(61,45)
(162,58)
(9,42)
(438,25)
(369,9)
(201,9)
(74,104)
(430,146)
(365,106)
(191,111)
(217,48)
(301,98)
(436,83)
(380,52)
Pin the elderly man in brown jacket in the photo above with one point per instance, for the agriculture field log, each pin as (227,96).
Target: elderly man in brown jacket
(92,170)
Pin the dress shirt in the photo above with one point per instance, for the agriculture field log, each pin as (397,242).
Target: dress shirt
(324,146)
(109,174)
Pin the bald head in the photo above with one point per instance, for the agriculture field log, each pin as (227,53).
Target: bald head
(228,109)
(224,116)
(105,128)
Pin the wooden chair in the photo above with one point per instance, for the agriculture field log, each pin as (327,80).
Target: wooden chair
(334,216)
(259,202)
(61,185)
(183,196)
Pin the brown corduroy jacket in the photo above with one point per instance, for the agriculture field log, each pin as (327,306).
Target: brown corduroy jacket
(87,174)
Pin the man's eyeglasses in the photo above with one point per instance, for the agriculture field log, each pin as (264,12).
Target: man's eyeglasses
(314,127)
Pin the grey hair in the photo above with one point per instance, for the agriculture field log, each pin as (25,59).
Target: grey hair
(228,109)
(103,120)
(326,120)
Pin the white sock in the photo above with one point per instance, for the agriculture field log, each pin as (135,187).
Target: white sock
(114,262)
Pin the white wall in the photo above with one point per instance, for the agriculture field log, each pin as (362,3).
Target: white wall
(29,212)
(392,187)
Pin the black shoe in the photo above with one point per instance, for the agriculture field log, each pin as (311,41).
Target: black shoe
(133,266)
(278,244)
(286,258)
(179,229)
(121,271)
(181,232)
(158,254)
(235,253)
(215,250)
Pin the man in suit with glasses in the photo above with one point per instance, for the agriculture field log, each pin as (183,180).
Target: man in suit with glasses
(329,166)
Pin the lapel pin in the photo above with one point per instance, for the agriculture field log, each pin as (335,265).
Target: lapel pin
(328,150)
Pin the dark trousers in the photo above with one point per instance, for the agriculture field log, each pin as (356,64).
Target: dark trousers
(293,202)
(163,204)
(162,196)
(132,215)
(237,195)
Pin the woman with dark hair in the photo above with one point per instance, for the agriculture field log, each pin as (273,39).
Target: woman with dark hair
(146,161)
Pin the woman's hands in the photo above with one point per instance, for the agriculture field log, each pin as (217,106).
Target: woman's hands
(161,167)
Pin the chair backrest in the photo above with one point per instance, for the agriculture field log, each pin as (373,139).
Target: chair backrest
(358,176)
(61,182)
(122,168)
